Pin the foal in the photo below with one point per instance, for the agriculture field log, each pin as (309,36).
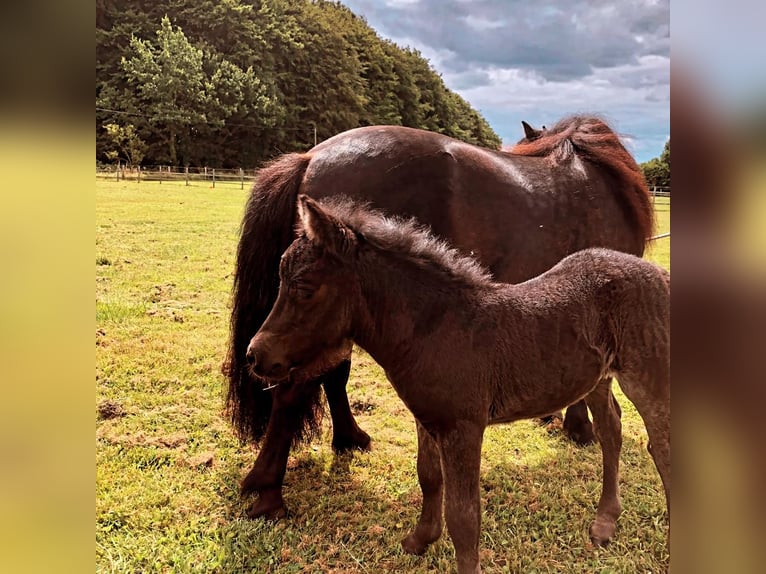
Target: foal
(463,351)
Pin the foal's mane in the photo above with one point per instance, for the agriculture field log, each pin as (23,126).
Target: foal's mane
(592,139)
(407,239)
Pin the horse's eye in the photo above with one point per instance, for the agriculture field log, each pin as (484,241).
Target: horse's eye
(302,291)
(306,293)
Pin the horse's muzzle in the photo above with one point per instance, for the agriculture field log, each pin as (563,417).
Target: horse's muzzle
(264,363)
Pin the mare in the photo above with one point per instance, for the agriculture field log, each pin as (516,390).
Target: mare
(463,351)
(561,189)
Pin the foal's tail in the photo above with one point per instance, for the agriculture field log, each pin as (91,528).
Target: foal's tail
(266,231)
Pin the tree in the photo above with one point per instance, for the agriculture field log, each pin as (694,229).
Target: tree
(657,170)
(127,146)
(235,82)
(665,156)
(169,81)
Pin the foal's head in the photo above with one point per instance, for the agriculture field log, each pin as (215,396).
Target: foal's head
(308,330)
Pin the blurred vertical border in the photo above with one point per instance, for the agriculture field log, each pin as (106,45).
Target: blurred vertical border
(718,126)
(47,477)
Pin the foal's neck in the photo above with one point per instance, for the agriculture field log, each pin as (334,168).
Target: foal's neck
(410,304)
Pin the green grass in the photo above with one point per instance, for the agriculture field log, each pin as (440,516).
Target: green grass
(659,249)
(167,471)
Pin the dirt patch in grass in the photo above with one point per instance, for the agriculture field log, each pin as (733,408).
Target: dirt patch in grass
(108,409)
(171,441)
(362,406)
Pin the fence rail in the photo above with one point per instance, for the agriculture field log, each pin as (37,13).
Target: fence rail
(189,175)
(211,176)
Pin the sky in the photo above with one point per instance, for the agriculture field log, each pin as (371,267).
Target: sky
(541,60)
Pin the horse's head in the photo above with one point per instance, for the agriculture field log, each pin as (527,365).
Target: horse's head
(530,133)
(308,330)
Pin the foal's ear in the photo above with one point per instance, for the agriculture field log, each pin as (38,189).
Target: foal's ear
(323,228)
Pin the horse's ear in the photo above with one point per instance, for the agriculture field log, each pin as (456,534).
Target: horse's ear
(324,229)
(529,132)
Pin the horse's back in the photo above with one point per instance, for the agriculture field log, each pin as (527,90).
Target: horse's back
(518,215)
(401,171)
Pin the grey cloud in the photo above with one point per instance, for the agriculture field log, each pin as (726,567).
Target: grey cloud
(469,79)
(556,39)
(541,60)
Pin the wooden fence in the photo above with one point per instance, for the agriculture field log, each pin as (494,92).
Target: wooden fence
(189,175)
(211,176)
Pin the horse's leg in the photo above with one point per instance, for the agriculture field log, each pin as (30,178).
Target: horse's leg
(429,526)
(287,415)
(577,425)
(460,450)
(609,432)
(346,434)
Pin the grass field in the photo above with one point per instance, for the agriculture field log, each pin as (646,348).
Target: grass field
(168,465)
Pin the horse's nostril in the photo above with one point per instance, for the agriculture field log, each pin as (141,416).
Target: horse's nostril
(250,355)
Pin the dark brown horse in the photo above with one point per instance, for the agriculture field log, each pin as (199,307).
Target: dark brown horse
(463,351)
(560,190)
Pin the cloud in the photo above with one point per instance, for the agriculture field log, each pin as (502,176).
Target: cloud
(542,58)
(557,39)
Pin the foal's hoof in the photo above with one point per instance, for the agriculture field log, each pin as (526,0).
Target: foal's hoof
(601,531)
(580,433)
(358,440)
(412,545)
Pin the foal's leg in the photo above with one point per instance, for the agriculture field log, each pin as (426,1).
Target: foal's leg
(346,434)
(429,526)
(460,450)
(268,472)
(608,427)
(650,393)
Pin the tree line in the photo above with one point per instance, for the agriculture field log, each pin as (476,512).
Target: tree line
(235,82)
(657,170)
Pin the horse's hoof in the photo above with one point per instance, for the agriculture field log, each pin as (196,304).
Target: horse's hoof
(552,418)
(261,509)
(358,440)
(601,531)
(247,487)
(412,545)
(269,505)
(582,434)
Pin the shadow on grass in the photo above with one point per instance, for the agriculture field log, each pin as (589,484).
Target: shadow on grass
(327,508)
(534,515)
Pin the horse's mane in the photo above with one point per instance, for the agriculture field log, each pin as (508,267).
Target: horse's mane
(590,138)
(407,238)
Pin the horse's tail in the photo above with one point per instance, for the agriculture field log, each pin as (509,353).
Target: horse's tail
(266,231)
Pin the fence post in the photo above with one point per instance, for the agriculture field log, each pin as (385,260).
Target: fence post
(117,171)
(213,178)
(160,175)
(186,175)
(241,178)
(139,174)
